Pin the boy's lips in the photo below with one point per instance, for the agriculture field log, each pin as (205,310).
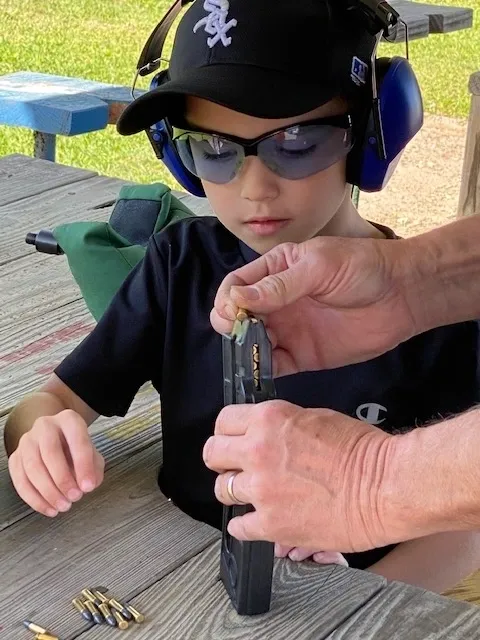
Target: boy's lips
(266,226)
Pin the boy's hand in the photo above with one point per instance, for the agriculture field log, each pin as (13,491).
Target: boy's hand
(299,553)
(55,463)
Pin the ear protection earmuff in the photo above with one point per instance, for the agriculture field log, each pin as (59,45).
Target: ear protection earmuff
(160,136)
(381,131)
(401,117)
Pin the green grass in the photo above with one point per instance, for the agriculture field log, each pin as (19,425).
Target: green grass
(102,40)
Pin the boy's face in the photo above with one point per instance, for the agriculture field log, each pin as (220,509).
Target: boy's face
(260,207)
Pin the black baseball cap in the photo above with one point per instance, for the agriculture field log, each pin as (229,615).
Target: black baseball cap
(264,58)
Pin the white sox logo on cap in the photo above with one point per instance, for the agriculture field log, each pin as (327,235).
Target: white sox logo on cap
(215,23)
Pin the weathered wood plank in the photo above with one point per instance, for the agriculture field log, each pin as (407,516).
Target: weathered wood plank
(424,19)
(417,21)
(23,177)
(444,19)
(399,612)
(125,535)
(29,351)
(88,199)
(116,439)
(34,285)
(308,601)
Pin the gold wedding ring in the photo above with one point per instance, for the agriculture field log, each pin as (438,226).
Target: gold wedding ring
(230,492)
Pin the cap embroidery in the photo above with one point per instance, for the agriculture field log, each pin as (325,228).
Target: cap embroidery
(215,23)
(359,71)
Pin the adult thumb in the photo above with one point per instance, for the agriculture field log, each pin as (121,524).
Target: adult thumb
(274,291)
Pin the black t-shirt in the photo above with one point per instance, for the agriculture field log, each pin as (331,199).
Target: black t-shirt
(157,328)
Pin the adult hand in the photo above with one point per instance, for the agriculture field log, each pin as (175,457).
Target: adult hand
(326,302)
(313,475)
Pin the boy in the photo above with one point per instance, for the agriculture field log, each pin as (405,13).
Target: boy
(260,96)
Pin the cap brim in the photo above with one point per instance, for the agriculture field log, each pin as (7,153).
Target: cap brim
(249,90)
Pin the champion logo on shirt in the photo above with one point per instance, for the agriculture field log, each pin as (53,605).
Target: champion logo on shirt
(371,412)
(215,23)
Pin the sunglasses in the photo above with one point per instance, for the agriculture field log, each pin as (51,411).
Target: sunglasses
(295,152)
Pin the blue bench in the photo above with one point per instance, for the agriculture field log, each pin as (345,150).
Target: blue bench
(57,105)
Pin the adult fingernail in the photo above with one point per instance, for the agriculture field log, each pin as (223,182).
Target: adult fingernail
(74,494)
(51,513)
(87,485)
(247,293)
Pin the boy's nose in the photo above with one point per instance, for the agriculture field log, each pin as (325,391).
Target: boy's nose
(258,183)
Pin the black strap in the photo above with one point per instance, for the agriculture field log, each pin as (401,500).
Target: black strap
(152,51)
(378,16)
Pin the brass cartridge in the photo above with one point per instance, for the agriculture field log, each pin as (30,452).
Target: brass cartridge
(89,595)
(137,616)
(31,626)
(101,597)
(120,608)
(79,606)
(121,622)
(107,614)
(96,615)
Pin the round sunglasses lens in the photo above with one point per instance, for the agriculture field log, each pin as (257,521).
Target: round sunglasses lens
(209,157)
(300,152)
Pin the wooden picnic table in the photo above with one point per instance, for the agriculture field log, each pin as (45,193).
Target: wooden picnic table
(126,535)
(425,19)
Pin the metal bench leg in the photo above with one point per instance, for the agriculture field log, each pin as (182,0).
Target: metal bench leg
(44,145)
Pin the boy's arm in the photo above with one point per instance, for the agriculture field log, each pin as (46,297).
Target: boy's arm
(437,562)
(52,459)
(52,397)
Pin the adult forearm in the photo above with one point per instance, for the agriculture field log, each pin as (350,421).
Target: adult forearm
(431,480)
(440,273)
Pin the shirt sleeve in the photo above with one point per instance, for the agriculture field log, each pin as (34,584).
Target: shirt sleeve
(125,349)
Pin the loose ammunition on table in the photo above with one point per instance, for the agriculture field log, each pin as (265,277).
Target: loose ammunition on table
(45,636)
(121,608)
(122,624)
(86,614)
(100,596)
(100,589)
(137,616)
(31,626)
(96,615)
(89,595)
(107,614)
